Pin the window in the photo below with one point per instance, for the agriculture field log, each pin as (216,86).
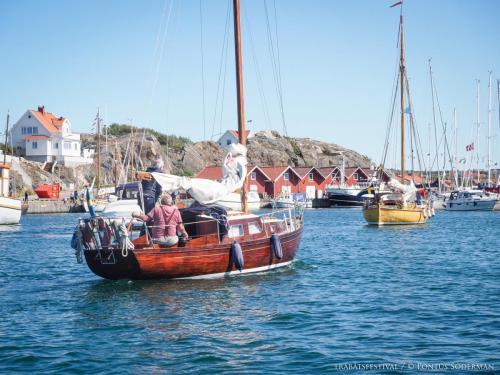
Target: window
(30,130)
(253,176)
(311,176)
(254,227)
(23,130)
(35,129)
(34,144)
(235,231)
(286,176)
(67,145)
(228,142)
(56,145)
(76,146)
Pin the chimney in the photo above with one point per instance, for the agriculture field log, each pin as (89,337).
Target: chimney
(41,109)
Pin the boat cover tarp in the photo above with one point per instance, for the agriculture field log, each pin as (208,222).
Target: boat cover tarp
(219,213)
(208,191)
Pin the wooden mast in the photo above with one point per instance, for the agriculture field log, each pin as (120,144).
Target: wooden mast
(239,92)
(402,78)
(98,150)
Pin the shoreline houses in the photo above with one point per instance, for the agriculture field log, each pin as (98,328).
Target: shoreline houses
(276,181)
(44,137)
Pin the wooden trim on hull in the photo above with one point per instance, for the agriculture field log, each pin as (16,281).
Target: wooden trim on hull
(186,262)
(378,215)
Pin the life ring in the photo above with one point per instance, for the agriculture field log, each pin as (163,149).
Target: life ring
(237,256)
(276,245)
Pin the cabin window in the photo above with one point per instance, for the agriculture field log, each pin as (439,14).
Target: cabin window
(311,176)
(34,144)
(254,176)
(286,176)
(254,227)
(235,231)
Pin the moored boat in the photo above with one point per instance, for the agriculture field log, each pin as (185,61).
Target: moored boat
(470,200)
(405,205)
(219,243)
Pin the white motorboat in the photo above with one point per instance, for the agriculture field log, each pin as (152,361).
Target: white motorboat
(232,201)
(10,208)
(470,200)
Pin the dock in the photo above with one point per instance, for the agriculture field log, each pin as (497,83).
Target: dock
(51,206)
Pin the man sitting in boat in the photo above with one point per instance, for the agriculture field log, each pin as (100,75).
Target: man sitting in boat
(166,221)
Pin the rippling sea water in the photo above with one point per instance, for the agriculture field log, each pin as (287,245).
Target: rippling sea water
(355,294)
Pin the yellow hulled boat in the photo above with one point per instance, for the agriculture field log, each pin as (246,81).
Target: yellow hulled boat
(380,214)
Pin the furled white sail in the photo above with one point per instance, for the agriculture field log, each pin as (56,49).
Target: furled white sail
(408,191)
(207,191)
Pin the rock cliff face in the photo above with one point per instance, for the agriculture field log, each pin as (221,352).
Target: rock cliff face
(266,148)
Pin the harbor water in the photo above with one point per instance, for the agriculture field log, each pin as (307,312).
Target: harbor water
(400,296)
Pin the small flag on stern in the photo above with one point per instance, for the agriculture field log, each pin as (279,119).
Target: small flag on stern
(469,147)
(396,4)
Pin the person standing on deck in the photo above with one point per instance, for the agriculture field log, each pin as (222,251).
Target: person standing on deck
(151,190)
(166,220)
(88,199)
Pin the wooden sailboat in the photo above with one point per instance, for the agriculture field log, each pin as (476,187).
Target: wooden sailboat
(394,208)
(10,208)
(219,244)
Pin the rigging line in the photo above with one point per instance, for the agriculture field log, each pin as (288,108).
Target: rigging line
(220,68)
(443,125)
(224,84)
(202,73)
(413,124)
(156,74)
(275,68)
(390,116)
(260,84)
(435,127)
(279,66)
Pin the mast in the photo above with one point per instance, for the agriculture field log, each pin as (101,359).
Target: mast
(455,156)
(98,150)
(4,175)
(477,133)
(489,132)
(5,144)
(402,75)
(239,92)
(435,128)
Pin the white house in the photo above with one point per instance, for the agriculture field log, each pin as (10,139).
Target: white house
(231,136)
(41,136)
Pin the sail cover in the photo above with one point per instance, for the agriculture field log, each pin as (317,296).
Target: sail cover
(208,191)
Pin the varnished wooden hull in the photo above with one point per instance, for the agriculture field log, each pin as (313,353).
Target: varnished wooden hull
(195,262)
(393,215)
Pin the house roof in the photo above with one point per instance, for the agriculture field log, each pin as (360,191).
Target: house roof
(36,136)
(304,171)
(274,173)
(326,171)
(215,172)
(237,134)
(51,122)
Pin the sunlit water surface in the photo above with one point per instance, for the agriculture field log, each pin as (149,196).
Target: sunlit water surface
(355,294)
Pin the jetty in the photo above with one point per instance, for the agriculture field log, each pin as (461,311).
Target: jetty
(51,206)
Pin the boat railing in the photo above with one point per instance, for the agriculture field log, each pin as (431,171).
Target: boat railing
(109,232)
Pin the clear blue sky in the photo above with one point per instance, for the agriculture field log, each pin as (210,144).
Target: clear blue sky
(337,62)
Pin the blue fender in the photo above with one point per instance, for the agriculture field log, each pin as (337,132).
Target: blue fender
(276,245)
(237,255)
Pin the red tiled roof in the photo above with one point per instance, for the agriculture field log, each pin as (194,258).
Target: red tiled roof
(326,171)
(275,172)
(237,134)
(302,171)
(211,173)
(48,120)
(30,137)
(350,171)
(215,172)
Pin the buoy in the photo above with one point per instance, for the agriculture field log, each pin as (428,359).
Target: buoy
(276,245)
(237,255)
